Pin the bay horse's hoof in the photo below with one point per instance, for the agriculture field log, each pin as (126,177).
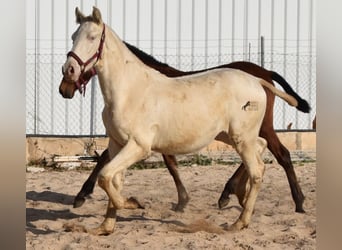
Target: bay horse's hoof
(72,227)
(223,202)
(179,207)
(300,210)
(78,201)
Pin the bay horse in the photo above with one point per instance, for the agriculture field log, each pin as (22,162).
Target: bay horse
(280,152)
(147,111)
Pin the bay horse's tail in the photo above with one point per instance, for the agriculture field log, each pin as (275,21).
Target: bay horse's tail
(302,104)
(291,100)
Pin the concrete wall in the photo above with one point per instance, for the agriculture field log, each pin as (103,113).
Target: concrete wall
(44,148)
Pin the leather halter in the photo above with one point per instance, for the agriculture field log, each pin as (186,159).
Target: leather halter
(86,76)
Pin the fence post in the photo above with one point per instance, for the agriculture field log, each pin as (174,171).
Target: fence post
(262,51)
(92,105)
(249,52)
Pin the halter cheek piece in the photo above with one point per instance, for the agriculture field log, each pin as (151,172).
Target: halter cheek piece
(85,76)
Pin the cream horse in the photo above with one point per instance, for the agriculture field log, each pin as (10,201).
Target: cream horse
(146,111)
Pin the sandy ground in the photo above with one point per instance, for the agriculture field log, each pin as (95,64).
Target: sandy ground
(274,225)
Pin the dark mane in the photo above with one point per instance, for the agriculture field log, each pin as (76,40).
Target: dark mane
(146,58)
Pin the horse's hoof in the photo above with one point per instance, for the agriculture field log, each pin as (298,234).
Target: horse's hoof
(72,227)
(223,202)
(78,201)
(100,231)
(133,203)
(237,226)
(300,210)
(178,207)
(181,204)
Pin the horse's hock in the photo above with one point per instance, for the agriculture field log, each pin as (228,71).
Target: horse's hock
(302,146)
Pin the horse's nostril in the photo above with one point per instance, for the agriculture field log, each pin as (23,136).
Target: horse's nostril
(71,70)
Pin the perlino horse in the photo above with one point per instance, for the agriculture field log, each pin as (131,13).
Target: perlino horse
(235,184)
(145,110)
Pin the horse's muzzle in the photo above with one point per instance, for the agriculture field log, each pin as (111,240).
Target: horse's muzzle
(67,89)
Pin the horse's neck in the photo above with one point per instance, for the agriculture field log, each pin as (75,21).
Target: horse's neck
(121,73)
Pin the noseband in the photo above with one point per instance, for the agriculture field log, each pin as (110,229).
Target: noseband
(85,76)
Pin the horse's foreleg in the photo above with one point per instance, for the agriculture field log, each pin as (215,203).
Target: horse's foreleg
(89,184)
(111,178)
(183,197)
(250,155)
(108,225)
(130,203)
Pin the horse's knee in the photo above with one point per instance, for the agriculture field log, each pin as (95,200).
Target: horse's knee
(118,180)
(104,181)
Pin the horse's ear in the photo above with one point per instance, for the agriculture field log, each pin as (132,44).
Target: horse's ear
(97,15)
(79,16)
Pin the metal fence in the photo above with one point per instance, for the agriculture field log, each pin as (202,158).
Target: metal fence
(293,57)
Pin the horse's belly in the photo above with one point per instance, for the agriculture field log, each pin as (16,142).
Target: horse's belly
(175,149)
(183,144)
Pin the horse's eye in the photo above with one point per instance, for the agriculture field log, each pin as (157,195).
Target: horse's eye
(92,38)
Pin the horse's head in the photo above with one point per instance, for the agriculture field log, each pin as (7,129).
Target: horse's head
(88,42)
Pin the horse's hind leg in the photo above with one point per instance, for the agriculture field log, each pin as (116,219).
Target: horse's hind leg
(240,175)
(88,186)
(238,184)
(284,159)
(251,157)
(183,197)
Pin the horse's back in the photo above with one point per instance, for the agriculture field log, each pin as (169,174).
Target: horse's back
(225,90)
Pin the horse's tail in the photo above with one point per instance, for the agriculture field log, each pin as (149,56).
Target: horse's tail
(291,100)
(302,104)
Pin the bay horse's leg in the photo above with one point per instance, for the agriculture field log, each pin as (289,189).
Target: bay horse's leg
(183,197)
(250,153)
(111,179)
(88,186)
(238,179)
(282,154)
